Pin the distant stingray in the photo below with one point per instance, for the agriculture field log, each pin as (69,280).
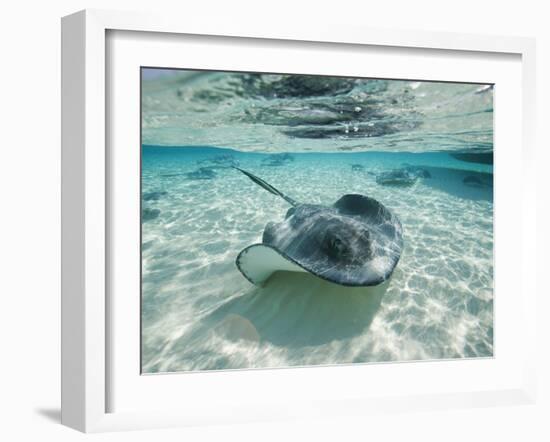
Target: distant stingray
(148,214)
(354,242)
(153,196)
(397,177)
(277,159)
(476,181)
(202,173)
(418,171)
(221,161)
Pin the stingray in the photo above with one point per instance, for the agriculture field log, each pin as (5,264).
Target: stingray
(148,214)
(476,181)
(202,173)
(397,177)
(153,196)
(417,171)
(356,241)
(277,160)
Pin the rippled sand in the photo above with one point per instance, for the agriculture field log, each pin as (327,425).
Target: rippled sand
(200,313)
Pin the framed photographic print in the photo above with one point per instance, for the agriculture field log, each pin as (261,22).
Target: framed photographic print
(251,213)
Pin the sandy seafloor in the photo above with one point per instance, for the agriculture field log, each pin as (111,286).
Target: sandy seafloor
(200,313)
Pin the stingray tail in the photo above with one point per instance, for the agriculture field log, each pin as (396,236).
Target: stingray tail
(267,186)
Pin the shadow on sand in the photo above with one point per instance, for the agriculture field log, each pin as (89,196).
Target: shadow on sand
(298,309)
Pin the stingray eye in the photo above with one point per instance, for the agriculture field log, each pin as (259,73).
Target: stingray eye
(335,247)
(336,244)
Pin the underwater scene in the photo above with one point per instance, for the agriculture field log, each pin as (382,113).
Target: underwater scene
(297,220)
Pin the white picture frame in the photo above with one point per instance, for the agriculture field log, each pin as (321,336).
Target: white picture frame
(86,206)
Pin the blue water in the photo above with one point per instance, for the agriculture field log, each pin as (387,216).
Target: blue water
(198,213)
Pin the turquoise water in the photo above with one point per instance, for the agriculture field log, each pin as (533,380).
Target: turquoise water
(198,213)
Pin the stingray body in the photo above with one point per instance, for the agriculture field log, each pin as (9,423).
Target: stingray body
(202,173)
(354,242)
(398,177)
